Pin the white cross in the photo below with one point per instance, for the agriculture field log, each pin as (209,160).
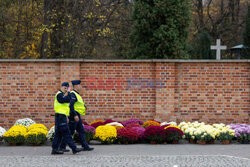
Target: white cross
(218,48)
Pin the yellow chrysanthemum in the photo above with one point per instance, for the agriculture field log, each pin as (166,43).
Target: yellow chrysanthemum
(15,134)
(36,136)
(151,123)
(172,126)
(106,133)
(37,126)
(38,130)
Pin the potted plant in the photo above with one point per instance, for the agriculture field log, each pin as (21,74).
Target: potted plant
(89,134)
(242,132)
(173,135)
(25,121)
(127,136)
(36,136)
(51,133)
(225,137)
(154,134)
(243,138)
(140,131)
(188,130)
(15,135)
(106,134)
(190,137)
(203,138)
(2,131)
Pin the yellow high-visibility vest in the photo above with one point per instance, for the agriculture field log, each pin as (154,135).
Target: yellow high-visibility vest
(61,108)
(79,105)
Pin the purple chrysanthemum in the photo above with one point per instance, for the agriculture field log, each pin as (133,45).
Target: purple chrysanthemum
(130,121)
(140,131)
(88,129)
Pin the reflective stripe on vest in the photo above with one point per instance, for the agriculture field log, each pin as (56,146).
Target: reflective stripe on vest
(79,104)
(61,108)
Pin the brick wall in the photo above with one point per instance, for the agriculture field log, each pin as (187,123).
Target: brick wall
(177,90)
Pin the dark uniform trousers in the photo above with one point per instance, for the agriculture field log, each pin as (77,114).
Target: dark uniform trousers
(78,126)
(62,132)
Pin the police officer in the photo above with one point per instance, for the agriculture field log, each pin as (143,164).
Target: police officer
(61,107)
(77,108)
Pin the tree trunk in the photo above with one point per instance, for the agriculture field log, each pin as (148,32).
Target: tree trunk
(44,41)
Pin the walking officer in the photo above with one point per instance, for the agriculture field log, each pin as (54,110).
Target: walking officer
(77,108)
(61,107)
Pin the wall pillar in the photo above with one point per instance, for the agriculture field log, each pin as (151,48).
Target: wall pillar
(165,95)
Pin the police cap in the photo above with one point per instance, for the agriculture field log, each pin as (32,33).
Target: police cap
(65,84)
(76,82)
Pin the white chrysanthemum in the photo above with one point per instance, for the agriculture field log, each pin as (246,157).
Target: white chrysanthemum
(182,124)
(115,124)
(173,123)
(2,131)
(164,123)
(219,125)
(51,133)
(26,122)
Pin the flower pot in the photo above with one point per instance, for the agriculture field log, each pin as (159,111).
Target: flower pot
(211,142)
(192,141)
(153,142)
(126,142)
(225,142)
(175,142)
(35,144)
(202,142)
(245,142)
(13,144)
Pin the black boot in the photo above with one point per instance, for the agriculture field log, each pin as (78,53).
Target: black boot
(56,152)
(76,150)
(64,150)
(87,149)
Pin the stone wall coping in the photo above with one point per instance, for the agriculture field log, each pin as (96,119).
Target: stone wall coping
(125,60)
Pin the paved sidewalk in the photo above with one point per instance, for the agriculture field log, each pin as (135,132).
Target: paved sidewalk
(181,155)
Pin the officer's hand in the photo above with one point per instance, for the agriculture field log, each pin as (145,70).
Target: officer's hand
(66,94)
(68,89)
(76,118)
